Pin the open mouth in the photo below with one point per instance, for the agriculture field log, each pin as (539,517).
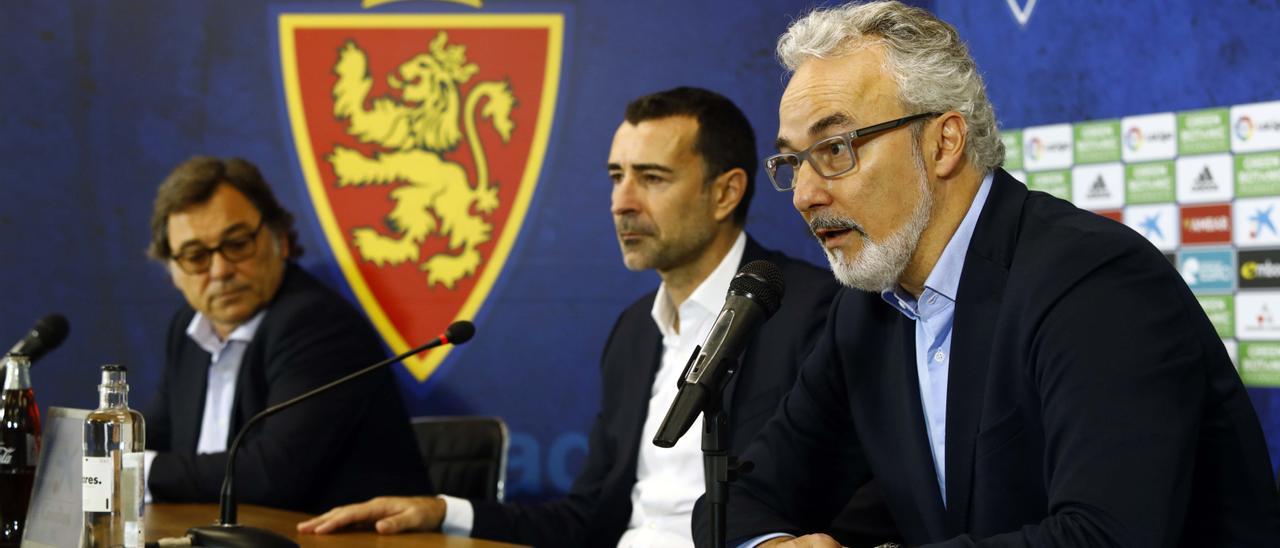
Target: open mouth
(832,231)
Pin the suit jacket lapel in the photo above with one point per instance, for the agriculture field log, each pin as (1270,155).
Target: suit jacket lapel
(187,399)
(647,343)
(978,301)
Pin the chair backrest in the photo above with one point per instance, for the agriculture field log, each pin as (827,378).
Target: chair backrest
(465,456)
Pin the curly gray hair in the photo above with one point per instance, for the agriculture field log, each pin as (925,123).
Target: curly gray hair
(924,54)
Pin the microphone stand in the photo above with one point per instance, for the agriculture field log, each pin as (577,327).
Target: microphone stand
(226,533)
(719,468)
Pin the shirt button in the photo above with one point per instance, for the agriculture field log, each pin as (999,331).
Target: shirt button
(939,356)
(933,299)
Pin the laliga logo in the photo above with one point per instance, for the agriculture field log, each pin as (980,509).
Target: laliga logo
(1133,138)
(1244,128)
(1035,148)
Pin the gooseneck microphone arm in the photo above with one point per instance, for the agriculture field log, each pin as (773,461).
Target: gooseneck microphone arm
(226,532)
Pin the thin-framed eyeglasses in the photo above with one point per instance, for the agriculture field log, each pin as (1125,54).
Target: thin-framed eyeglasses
(197,259)
(830,157)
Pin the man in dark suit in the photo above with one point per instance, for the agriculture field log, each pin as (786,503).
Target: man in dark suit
(1092,403)
(682,165)
(256,331)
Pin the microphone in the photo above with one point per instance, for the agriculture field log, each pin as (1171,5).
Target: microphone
(754,295)
(226,533)
(48,333)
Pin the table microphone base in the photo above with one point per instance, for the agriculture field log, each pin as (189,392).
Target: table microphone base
(238,536)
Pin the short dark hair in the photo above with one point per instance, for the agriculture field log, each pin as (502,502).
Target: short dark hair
(194,181)
(725,137)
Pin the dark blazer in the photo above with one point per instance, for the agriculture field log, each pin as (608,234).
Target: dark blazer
(598,507)
(1089,403)
(349,445)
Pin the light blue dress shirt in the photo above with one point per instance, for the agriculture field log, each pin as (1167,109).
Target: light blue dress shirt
(934,313)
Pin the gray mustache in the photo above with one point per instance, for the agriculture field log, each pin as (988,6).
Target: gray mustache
(833,222)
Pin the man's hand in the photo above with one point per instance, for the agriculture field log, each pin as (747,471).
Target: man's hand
(388,515)
(807,541)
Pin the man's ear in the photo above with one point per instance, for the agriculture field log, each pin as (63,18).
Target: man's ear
(951,135)
(727,191)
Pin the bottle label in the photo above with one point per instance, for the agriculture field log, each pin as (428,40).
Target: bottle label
(96,491)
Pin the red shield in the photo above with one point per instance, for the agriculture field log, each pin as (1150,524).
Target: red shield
(421,138)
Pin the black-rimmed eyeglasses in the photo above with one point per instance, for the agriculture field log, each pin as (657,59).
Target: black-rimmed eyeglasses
(197,259)
(830,157)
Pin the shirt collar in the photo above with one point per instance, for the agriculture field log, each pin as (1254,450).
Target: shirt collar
(945,277)
(709,295)
(201,331)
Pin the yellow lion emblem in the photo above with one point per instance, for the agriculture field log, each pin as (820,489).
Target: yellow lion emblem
(436,197)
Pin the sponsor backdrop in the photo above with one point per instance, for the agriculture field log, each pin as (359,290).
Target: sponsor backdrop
(446,160)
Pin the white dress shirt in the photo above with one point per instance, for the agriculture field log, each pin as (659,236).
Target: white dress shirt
(224,366)
(668,481)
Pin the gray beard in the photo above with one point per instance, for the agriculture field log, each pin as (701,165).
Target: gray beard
(879,265)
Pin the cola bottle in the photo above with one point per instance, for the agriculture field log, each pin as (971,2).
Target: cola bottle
(114,478)
(19,447)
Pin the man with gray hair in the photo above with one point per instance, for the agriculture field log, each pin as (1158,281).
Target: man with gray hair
(1092,403)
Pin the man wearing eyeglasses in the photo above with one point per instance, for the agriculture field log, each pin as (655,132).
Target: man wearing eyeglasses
(258,330)
(1012,370)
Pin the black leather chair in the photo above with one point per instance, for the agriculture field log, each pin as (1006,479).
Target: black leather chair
(465,456)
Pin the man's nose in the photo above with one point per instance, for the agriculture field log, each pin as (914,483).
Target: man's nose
(811,190)
(219,266)
(625,198)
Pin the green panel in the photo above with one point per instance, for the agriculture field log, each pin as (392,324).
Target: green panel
(1097,142)
(1057,183)
(1203,131)
(1258,174)
(1150,183)
(1260,363)
(1012,148)
(1221,310)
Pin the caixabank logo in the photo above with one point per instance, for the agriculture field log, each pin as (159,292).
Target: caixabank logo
(421,138)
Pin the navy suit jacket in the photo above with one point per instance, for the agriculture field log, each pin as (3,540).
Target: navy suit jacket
(598,507)
(1090,403)
(345,446)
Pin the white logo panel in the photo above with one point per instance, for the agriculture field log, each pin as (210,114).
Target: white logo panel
(1149,137)
(1047,147)
(1255,221)
(1258,315)
(1255,127)
(1204,179)
(1098,186)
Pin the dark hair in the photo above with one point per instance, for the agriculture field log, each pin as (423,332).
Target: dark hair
(725,138)
(194,181)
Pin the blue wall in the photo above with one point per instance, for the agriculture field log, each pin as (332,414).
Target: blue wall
(101,99)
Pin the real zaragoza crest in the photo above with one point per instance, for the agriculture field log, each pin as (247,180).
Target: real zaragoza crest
(421,138)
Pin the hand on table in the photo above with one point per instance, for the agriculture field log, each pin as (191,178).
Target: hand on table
(388,514)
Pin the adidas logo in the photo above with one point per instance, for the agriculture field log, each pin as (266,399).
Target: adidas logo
(1098,189)
(1204,182)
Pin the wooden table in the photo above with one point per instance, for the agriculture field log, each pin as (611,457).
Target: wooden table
(173,520)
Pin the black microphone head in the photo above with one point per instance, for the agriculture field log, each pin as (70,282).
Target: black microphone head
(48,333)
(459,332)
(760,281)
(53,330)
